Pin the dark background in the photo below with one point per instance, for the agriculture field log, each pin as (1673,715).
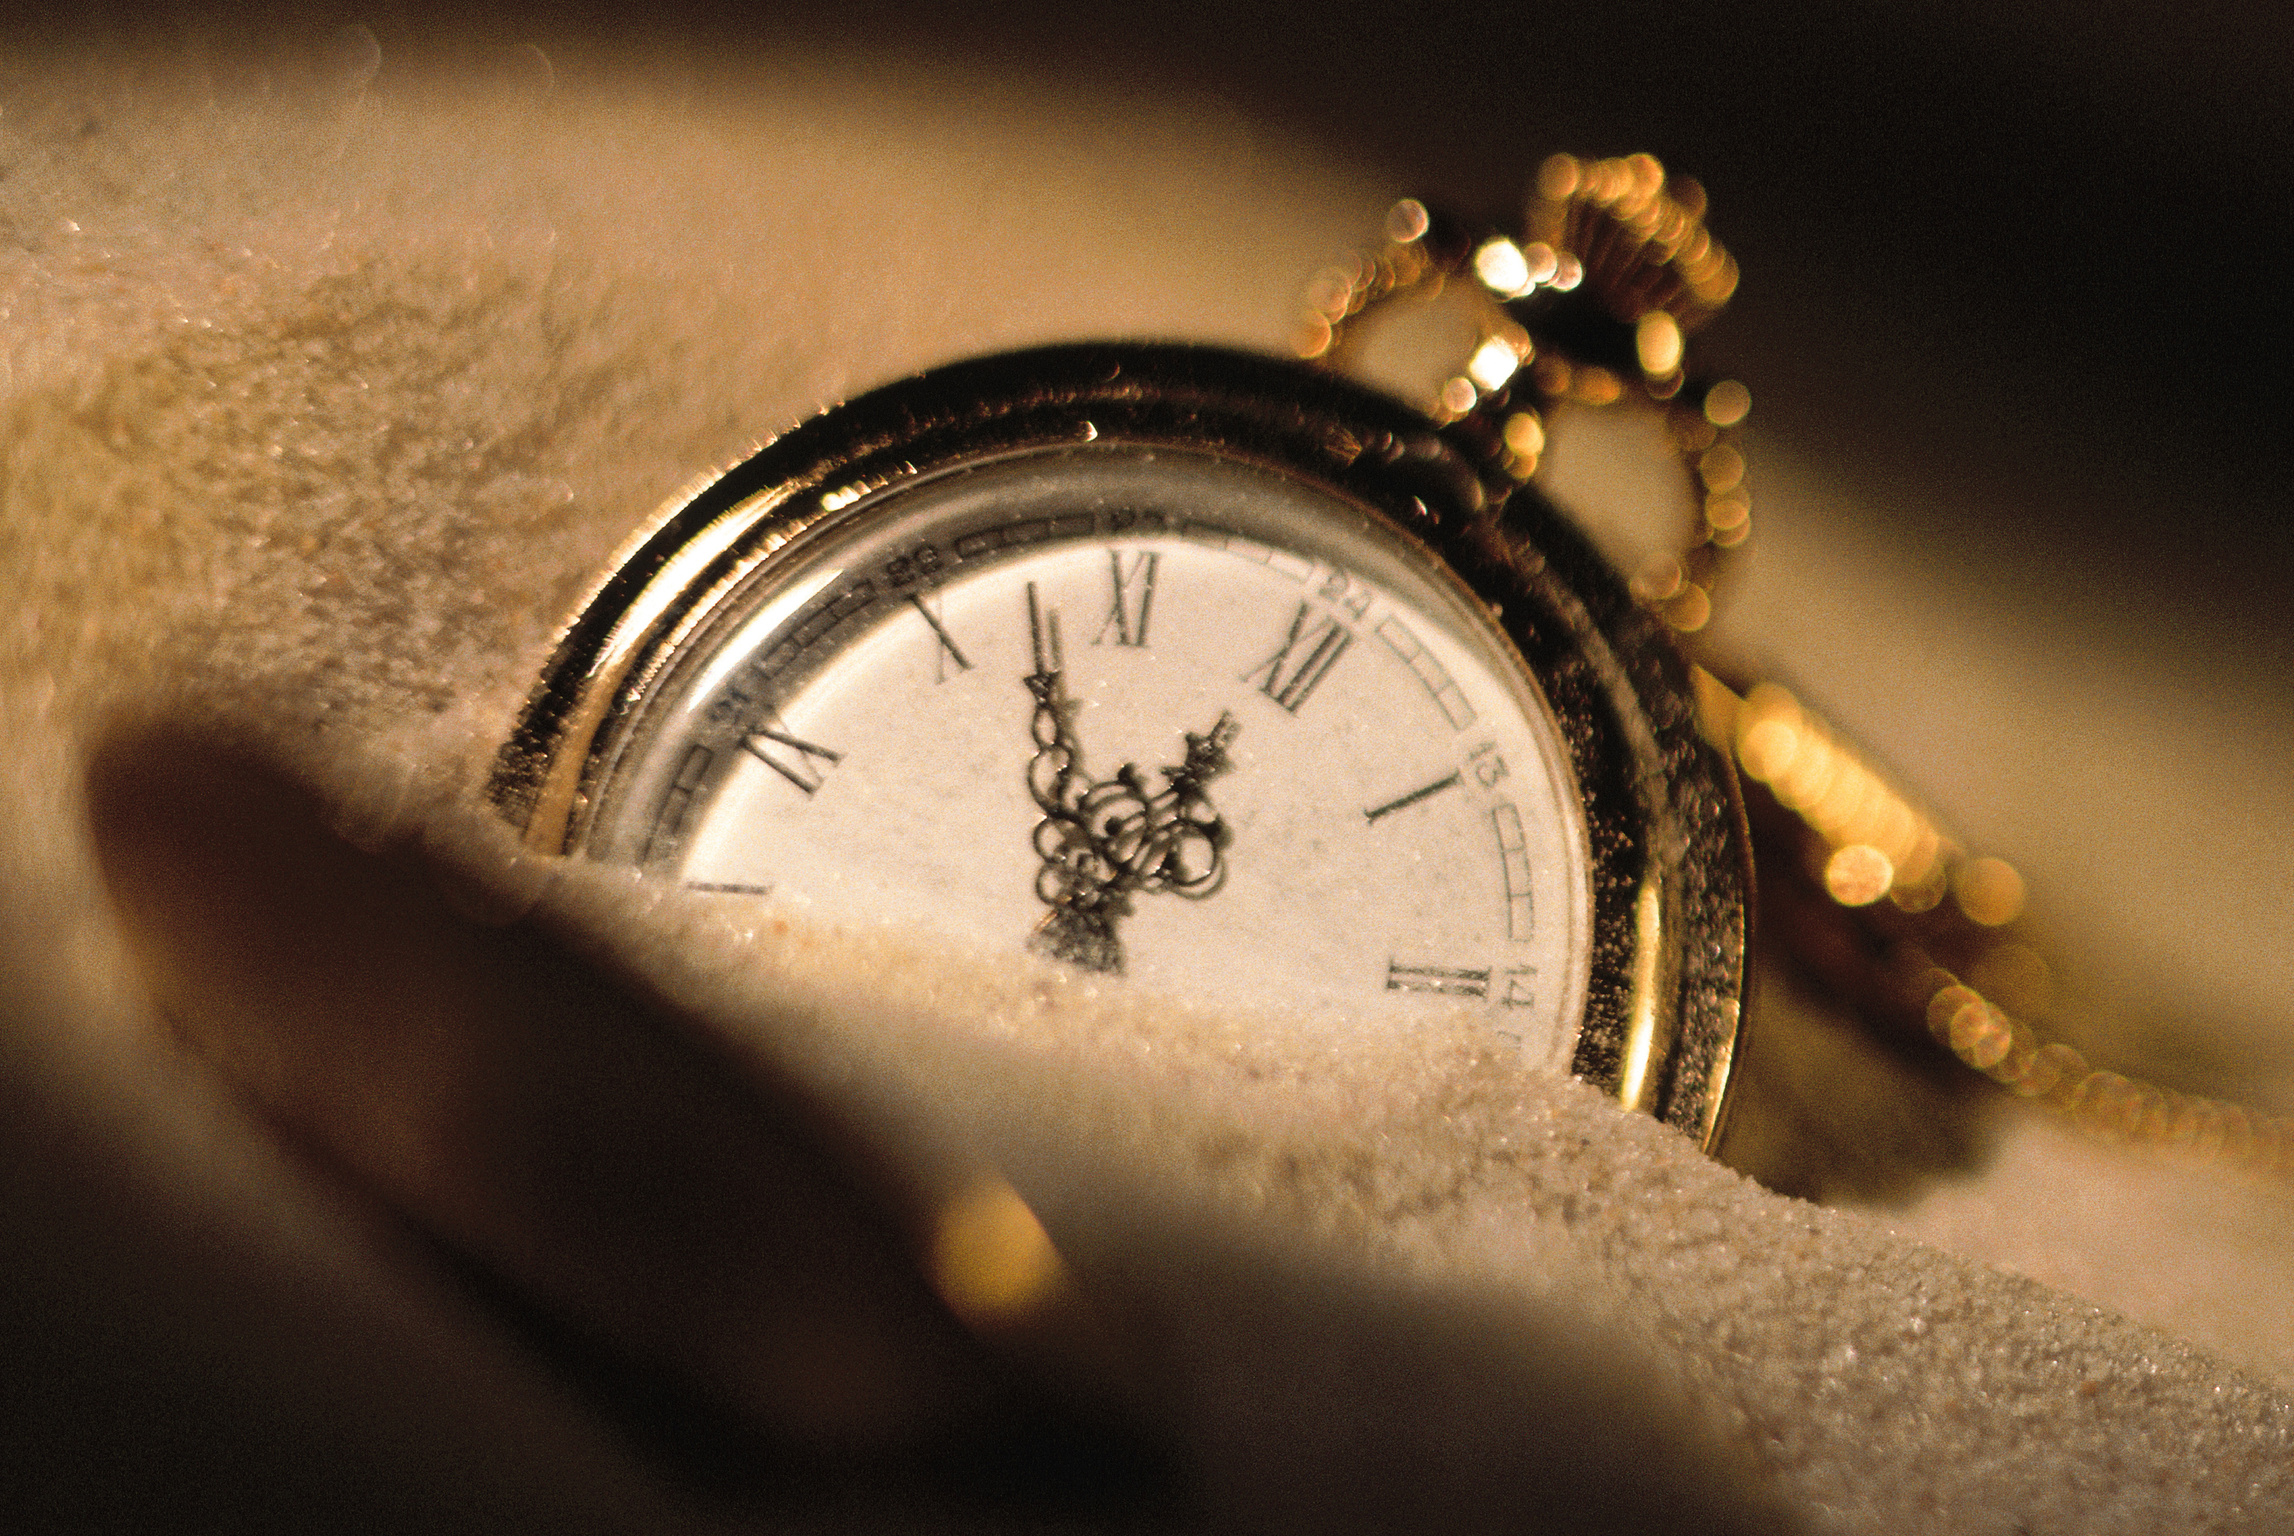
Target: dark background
(2030,255)
(2026,255)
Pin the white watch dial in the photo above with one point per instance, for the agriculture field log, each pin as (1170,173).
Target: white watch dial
(1139,710)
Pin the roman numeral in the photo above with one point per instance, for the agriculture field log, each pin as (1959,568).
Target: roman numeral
(1319,649)
(801,769)
(1437,979)
(947,651)
(1134,596)
(1043,634)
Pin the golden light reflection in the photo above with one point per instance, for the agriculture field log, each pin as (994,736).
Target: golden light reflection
(1721,468)
(1642,1010)
(1780,744)
(1989,891)
(1647,257)
(1559,178)
(1729,510)
(1657,341)
(1503,268)
(1858,875)
(1923,892)
(1330,291)
(1525,434)
(991,1260)
(1312,338)
(2048,1069)
(1727,403)
(1998,1043)
(1407,220)
(1493,363)
(1980,1034)
(1596,386)
(1690,609)
(1665,246)
(1766,747)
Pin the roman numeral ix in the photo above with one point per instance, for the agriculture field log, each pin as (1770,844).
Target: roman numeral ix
(801,763)
(947,651)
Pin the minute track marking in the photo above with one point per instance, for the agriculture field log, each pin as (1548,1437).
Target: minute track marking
(1404,802)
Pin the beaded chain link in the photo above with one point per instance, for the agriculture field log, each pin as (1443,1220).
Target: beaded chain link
(1595,306)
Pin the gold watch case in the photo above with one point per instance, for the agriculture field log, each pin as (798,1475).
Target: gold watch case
(1670,883)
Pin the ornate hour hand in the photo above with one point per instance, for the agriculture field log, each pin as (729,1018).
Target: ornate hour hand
(1102,842)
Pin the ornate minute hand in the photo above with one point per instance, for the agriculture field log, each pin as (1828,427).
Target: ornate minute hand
(1101,842)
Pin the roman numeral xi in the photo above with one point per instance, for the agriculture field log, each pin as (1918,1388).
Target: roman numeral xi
(1132,601)
(799,761)
(1308,652)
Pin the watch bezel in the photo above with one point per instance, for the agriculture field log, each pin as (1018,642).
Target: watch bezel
(1670,867)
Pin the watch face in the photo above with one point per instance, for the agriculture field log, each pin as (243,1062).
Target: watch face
(1178,665)
(1142,710)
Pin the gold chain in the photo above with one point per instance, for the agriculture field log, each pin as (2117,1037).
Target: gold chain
(1594,306)
(1894,915)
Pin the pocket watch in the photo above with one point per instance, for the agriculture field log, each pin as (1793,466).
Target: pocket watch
(1216,671)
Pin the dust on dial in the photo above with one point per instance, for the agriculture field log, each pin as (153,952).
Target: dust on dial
(1146,710)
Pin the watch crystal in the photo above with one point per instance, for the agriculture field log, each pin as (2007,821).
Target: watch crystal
(1140,710)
